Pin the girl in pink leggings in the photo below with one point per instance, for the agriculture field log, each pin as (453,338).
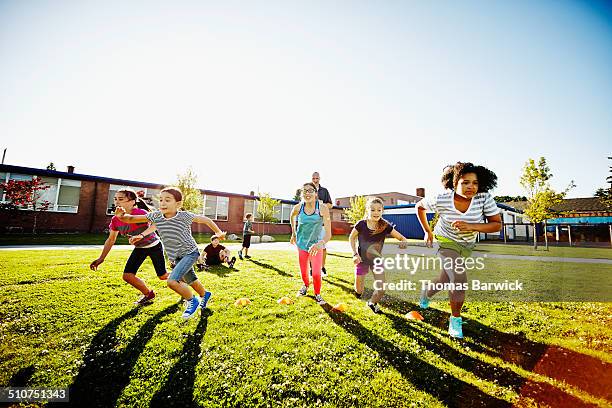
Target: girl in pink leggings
(371,233)
(312,218)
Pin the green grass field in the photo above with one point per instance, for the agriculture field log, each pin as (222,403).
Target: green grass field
(64,325)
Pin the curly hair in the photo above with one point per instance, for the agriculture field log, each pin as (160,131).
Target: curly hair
(487,180)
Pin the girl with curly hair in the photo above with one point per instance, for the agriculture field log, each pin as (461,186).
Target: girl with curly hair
(462,208)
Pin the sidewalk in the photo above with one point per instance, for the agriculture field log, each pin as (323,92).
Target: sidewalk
(332,246)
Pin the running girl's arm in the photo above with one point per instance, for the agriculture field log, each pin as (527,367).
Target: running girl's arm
(402,239)
(422,216)
(294,213)
(133,239)
(327,225)
(108,245)
(130,219)
(493,225)
(353,240)
(202,219)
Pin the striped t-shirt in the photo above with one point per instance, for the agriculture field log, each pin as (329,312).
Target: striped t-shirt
(175,233)
(482,206)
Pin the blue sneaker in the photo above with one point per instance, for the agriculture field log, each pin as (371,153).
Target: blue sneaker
(424,300)
(191,308)
(205,300)
(454,327)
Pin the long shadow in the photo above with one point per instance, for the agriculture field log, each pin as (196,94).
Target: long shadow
(271,267)
(106,372)
(428,378)
(338,255)
(582,371)
(221,270)
(178,389)
(543,393)
(22,377)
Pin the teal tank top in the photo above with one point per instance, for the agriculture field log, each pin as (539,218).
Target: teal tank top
(309,227)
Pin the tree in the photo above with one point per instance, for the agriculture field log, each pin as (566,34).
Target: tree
(265,209)
(27,194)
(506,199)
(541,198)
(51,166)
(605,194)
(298,195)
(356,210)
(192,196)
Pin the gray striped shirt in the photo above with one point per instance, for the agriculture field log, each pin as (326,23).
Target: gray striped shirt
(482,206)
(175,233)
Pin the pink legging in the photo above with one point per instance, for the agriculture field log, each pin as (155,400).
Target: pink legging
(316,263)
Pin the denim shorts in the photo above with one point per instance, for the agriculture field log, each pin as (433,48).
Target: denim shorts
(184,268)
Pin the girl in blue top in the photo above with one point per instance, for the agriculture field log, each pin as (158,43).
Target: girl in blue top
(312,219)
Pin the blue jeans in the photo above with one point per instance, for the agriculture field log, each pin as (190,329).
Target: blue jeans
(184,268)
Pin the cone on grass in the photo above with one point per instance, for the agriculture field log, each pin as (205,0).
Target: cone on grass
(242,302)
(414,315)
(340,307)
(284,301)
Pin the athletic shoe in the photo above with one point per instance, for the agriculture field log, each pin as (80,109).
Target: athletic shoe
(200,267)
(191,307)
(454,327)
(240,255)
(247,256)
(374,306)
(231,263)
(320,300)
(424,301)
(357,295)
(205,299)
(302,291)
(144,299)
(323,272)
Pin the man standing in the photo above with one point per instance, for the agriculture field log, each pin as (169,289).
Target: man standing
(324,196)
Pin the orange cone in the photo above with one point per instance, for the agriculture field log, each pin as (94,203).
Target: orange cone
(414,315)
(284,301)
(242,302)
(340,307)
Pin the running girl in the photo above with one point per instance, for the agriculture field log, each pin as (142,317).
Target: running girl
(174,227)
(370,233)
(149,246)
(312,218)
(461,211)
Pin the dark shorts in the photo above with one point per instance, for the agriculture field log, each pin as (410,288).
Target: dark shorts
(213,261)
(156,253)
(246,241)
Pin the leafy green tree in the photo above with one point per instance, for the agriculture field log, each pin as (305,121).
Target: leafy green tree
(506,199)
(265,209)
(356,210)
(298,195)
(192,196)
(541,198)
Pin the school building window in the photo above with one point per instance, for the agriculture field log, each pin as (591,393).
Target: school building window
(148,195)
(62,194)
(216,207)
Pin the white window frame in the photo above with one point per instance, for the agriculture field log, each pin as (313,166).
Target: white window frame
(216,217)
(116,187)
(71,209)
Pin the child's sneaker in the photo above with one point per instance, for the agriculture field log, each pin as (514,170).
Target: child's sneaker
(323,273)
(232,261)
(454,327)
(192,306)
(205,299)
(374,306)
(302,291)
(247,256)
(144,299)
(200,267)
(320,300)
(424,301)
(240,255)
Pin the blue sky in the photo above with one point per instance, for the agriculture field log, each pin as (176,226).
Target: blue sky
(376,96)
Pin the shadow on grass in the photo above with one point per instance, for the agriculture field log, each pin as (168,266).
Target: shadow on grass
(422,375)
(105,371)
(22,377)
(178,389)
(582,371)
(339,255)
(271,267)
(220,270)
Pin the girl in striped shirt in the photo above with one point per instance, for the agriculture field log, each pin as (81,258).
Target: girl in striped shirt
(462,208)
(174,227)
